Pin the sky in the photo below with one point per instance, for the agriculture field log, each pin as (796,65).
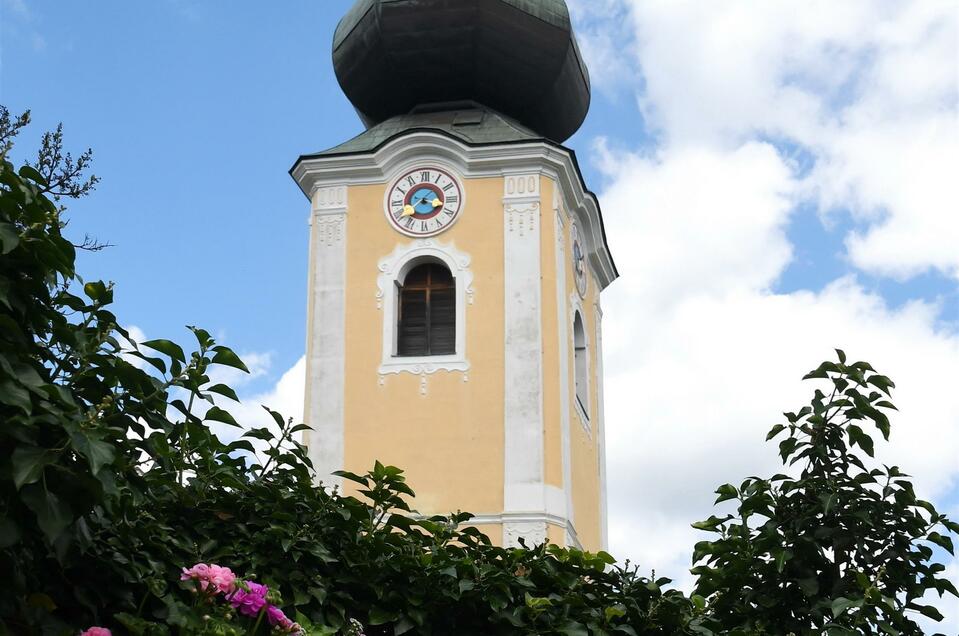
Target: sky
(777,179)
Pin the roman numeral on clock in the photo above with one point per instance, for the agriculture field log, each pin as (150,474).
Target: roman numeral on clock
(452,199)
(424,177)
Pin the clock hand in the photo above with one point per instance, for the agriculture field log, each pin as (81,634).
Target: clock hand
(436,203)
(408,210)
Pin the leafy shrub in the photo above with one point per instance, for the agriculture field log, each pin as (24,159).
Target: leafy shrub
(839,548)
(111,480)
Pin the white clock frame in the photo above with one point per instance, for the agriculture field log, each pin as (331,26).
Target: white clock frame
(410,169)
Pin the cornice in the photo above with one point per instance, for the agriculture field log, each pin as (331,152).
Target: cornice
(498,160)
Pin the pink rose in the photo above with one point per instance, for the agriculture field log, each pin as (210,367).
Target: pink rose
(199,572)
(212,578)
(222,579)
(96,631)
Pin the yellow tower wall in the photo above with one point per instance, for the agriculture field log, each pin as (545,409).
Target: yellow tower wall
(444,429)
(496,432)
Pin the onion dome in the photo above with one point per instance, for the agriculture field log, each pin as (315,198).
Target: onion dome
(518,58)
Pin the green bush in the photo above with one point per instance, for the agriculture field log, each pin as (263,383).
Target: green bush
(112,481)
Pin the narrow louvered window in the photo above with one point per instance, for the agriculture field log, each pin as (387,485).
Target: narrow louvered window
(581,364)
(427,313)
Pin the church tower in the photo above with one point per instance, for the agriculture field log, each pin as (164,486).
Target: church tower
(456,264)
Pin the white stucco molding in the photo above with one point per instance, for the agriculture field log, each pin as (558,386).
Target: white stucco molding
(533,527)
(601,429)
(524,446)
(326,338)
(563,327)
(424,147)
(392,272)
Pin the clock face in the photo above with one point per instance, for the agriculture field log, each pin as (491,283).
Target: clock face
(424,202)
(579,261)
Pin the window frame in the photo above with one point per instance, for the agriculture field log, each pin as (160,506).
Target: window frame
(582,403)
(393,270)
(430,287)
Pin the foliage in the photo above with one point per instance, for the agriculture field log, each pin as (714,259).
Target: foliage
(840,548)
(112,479)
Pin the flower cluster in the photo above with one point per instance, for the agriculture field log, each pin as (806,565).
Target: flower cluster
(212,578)
(251,598)
(248,598)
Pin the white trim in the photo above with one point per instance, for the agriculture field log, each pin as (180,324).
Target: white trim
(392,270)
(528,525)
(326,338)
(562,327)
(601,429)
(470,162)
(524,445)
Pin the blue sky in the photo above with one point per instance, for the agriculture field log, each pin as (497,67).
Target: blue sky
(776,181)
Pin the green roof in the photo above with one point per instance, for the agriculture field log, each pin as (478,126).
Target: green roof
(553,12)
(473,124)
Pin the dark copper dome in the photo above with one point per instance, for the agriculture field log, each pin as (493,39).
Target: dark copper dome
(518,57)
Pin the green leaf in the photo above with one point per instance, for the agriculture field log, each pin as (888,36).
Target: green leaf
(857,437)
(842,604)
(28,463)
(98,291)
(9,238)
(781,558)
(573,629)
(928,611)
(828,502)
(15,395)
(616,611)
(402,626)
(224,390)
(97,452)
(53,515)
(226,357)
(726,492)
(217,414)
(941,541)
(381,616)
(31,173)
(167,347)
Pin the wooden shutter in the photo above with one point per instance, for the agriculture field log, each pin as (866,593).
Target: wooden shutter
(427,316)
(412,333)
(442,322)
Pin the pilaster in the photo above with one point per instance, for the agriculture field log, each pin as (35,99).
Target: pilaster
(524,487)
(327,337)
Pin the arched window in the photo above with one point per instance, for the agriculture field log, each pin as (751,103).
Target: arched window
(581,362)
(427,312)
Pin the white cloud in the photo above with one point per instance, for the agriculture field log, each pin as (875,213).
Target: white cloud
(702,358)
(759,108)
(869,89)
(285,397)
